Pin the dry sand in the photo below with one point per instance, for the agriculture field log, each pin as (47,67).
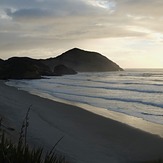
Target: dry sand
(88,138)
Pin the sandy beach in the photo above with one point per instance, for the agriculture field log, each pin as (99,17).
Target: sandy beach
(88,137)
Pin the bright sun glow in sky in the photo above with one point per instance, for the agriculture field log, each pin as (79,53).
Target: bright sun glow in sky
(129,32)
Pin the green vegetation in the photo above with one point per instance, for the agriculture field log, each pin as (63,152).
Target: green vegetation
(20,152)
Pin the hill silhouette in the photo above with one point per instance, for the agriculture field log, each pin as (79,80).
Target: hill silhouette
(83,61)
(70,62)
(1,61)
(23,68)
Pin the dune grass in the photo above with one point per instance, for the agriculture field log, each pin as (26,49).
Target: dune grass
(20,152)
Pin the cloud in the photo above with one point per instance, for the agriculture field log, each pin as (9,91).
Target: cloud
(49,8)
(105,4)
(81,18)
(141,7)
(28,12)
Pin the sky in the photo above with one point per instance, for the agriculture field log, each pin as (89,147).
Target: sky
(129,32)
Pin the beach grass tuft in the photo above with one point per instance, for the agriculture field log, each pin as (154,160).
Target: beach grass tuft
(21,152)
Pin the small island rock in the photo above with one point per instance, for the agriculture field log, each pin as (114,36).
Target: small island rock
(63,70)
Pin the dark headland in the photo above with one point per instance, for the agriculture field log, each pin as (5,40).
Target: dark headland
(70,62)
(83,61)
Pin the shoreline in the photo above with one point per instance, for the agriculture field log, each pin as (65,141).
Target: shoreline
(138,123)
(88,137)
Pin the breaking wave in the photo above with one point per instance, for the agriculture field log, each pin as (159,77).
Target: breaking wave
(137,93)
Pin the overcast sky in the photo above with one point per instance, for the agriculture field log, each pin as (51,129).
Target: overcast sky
(129,32)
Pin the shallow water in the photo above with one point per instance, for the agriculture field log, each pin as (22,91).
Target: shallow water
(138,93)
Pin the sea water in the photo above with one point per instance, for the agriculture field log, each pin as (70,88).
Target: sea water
(138,92)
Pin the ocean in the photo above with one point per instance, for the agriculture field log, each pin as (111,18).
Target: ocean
(135,92)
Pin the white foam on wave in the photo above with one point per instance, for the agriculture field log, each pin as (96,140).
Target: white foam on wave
(130,93)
